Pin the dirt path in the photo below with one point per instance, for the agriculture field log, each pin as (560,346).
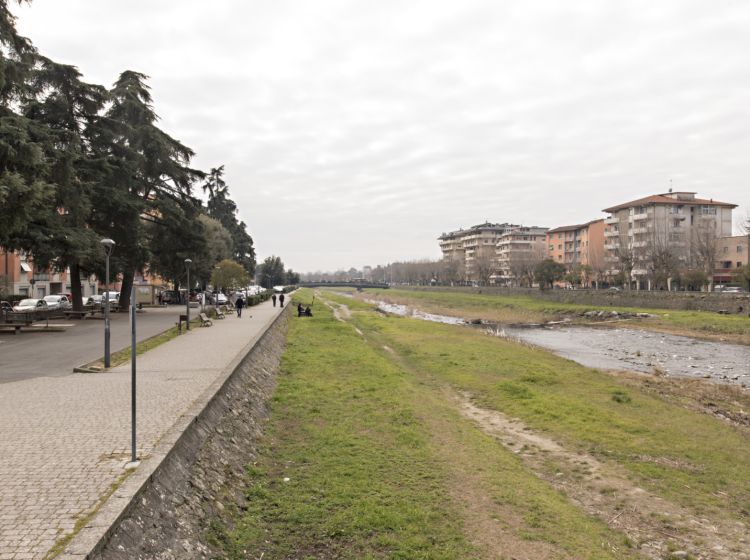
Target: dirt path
(653,524)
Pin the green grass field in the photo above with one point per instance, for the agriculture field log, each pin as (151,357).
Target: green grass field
(365,458)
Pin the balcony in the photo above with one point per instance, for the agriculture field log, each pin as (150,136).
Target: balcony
(612,220)
(639,230)
(641,216)
(611,233)
(639,244)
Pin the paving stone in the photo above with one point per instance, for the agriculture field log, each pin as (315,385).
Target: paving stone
(66,438)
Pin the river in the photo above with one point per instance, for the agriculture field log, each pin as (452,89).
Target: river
(619,348)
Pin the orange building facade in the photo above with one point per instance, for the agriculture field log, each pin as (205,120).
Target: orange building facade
(18,275)
(580,244)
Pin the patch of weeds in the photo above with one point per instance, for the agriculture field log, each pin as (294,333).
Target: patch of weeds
(621,396)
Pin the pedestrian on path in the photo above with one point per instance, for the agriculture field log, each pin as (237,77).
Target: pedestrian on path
(281,299)
(239,304)
(273,298)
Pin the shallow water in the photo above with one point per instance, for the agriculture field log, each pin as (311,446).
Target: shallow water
(620,348)
(643,351)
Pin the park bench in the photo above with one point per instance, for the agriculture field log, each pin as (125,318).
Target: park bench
(17,319)
(220,314)
(205,321)
(182,319)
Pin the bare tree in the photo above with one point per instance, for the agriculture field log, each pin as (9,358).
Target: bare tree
(484,267)
(703,249)
(626,259)
(451,271)
(597,265)
(662,256)
(523,263)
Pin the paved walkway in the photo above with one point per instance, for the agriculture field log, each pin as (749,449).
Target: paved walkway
(64,441)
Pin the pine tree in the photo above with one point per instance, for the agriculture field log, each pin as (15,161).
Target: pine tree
(224,209)
(59,114)
(143,167)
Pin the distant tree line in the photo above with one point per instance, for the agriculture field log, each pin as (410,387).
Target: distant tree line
(80,162)
(271,273)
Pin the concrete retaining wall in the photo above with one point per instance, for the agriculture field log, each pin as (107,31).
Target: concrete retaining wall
(165,514)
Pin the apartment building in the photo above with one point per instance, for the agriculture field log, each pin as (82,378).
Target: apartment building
(731,255)
(518,251)
(473,249)
(18,275)
(577,244)
(648,238)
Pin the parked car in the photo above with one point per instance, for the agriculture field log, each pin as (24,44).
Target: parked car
(5,306)
(57,302)
(94,301)
(615,289)
(31,305)
(733,290)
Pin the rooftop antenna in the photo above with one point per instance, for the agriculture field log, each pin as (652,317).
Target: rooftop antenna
(670,185)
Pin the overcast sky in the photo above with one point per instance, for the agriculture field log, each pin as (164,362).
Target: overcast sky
(354,133)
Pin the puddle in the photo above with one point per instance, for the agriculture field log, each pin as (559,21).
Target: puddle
(619,348)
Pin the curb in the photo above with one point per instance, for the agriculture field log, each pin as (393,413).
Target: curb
(97,531)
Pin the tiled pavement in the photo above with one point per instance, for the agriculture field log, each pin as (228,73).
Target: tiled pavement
(64,441)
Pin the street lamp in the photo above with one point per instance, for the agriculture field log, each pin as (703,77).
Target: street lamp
(188,262)
(216,302)
(108,245)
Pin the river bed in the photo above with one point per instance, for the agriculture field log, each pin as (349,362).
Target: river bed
(618,348)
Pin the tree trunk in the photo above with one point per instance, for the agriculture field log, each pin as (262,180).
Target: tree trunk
(75,286)
(125,288)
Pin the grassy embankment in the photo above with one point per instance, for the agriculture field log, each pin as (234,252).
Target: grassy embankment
(365,457)
(521,309)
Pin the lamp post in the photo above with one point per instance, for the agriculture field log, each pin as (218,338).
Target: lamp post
(216,302)
(108,245)
(188,262)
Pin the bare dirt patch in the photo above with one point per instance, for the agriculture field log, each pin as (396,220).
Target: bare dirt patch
(491,527)
(653,524)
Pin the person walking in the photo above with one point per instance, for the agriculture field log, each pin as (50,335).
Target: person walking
(273,298)
(281,299)
(239,304)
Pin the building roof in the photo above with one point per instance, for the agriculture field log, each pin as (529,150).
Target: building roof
(486,226)
(573,227)
(667,199)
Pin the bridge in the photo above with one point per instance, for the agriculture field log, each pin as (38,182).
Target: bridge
(360,285)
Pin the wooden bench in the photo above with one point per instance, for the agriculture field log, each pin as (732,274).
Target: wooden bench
(220,314)
(205,321)
(182,319)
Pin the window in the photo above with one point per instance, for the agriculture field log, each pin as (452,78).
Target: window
(675,209)
(739,264)
(725,250)
(23,291)
(675,223)
(739,248)
(708,210)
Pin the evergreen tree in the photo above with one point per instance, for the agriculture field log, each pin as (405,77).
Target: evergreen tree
(23,192)
(271,272)
(141,167)
(59,114)
(224,209)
